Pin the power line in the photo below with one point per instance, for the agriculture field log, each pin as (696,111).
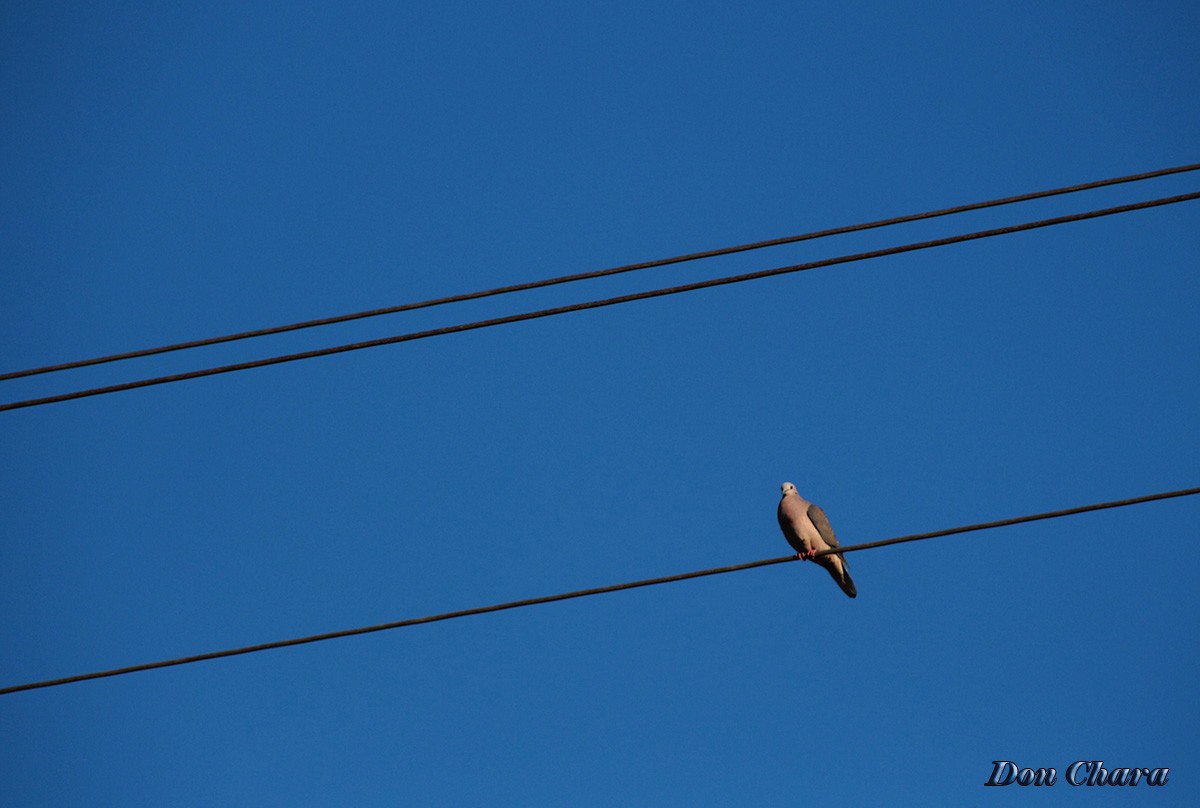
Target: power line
(599,590)
(595,304)
(520,287)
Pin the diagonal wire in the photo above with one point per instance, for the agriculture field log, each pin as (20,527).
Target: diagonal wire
(595,304)
(678,259)
(599,590)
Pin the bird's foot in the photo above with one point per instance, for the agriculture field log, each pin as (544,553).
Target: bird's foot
(806,555)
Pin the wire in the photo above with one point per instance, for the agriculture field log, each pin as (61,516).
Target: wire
(581,593)
(678,259)
(595,304)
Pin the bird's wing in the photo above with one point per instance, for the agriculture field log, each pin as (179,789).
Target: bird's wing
(821,522)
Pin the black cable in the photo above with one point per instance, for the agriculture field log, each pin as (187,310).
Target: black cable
(595,304)
(599,590)
(678,259)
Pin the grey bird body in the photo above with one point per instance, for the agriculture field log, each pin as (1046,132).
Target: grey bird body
(807,529)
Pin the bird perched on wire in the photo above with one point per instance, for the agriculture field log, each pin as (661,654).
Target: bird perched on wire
(807,529)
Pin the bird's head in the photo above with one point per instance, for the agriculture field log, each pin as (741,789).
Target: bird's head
(788,488)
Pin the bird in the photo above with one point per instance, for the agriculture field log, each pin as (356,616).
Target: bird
(807,529)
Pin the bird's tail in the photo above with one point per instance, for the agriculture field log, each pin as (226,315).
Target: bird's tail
(841,574)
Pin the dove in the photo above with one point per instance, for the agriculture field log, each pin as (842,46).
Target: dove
(807,529)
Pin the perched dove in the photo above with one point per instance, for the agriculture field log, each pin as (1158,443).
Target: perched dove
(805,527)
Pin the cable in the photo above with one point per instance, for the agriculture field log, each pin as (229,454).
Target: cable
(678,259)
(581,593)
(595,304)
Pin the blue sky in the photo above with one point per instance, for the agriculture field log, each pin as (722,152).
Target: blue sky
(182,172)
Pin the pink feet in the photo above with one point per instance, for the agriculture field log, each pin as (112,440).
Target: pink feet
(807,555)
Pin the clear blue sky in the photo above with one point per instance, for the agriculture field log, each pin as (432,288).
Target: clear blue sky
(175,171)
